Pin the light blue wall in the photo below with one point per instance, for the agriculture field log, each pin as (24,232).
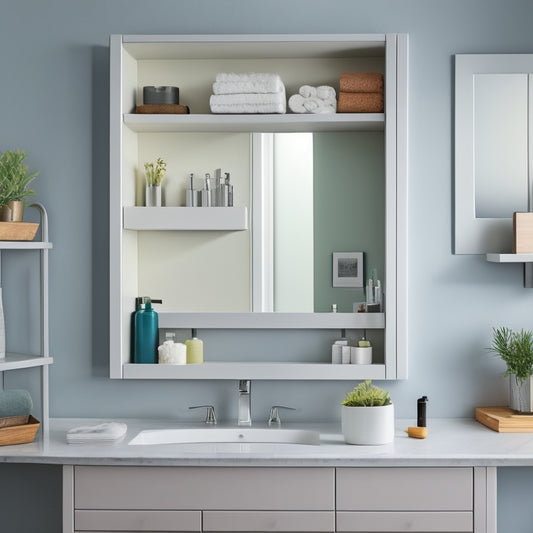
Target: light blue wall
(54,104)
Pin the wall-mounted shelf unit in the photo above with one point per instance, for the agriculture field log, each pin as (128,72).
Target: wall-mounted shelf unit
(192,62)
(526,259)
(17,361)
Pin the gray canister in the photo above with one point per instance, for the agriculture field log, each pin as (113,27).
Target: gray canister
(164,94)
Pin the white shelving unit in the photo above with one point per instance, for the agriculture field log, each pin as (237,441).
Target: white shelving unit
(191,62)
(16,361)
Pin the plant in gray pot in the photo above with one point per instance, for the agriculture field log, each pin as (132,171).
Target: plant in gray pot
(516,349)
(14,181)
(367,415)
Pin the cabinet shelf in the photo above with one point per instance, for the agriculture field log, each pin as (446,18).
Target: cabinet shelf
(255,123)
(255,371)
(186,218)
(272,320)
(14,361)
(25,245)
(510,258)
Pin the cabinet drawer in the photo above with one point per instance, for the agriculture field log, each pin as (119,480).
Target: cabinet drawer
(191,488)
(308,521)
(405,521)
(404,489)
(138,520)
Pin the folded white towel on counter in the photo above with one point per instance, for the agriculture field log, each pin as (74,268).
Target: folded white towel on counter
(247,83)
(106,433)
(249,103)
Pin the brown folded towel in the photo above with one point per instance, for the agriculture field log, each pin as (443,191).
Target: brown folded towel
(361,82)
(160,109)
(360,103)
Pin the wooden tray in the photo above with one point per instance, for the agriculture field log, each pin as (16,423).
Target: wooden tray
(14,421)
(19,434)
(504,420)
(18,231)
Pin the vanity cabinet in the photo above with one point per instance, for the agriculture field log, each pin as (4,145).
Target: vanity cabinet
(282,499)
(173,240)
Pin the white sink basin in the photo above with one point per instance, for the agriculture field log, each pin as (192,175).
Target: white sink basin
(227,435)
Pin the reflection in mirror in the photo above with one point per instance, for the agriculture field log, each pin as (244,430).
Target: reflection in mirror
(500,144)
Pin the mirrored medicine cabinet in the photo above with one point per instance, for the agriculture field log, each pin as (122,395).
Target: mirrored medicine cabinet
(304,187)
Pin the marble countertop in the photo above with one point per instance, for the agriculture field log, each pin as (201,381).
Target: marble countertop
(450,442)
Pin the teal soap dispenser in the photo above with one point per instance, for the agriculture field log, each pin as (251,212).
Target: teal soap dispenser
(145,333)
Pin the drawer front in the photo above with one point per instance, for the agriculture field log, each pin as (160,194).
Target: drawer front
(138,520)
(425,522)
(404,489)
(286,521)
(269,489)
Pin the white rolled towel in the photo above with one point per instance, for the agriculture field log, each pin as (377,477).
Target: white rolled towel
(325,92)
(172,353)
(299,104)
(307,91)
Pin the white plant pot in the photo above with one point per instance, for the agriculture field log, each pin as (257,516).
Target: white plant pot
(520,394)
(368,425)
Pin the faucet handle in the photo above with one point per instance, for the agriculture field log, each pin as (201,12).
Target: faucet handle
(210,417)
(274,414)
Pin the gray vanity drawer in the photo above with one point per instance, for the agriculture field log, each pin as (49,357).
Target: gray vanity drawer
(199,488)
(138,521)
(405,489)
(286,521)
(425,522)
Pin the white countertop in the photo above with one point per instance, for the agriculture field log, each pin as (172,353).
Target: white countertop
(450,442)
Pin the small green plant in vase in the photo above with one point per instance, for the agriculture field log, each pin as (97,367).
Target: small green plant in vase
(367,415)
(14,182)
(515,348)
(155,172)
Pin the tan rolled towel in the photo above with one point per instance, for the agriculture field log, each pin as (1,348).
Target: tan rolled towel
(360,103)
(162,109)
(361,82)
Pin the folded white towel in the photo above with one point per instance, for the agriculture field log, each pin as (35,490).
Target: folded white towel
(255,77)
(248,103)
(105,433)
(271,84)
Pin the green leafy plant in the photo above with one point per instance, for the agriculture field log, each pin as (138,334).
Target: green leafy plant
(14,177)
(155,172)
(367,395)
(516,349)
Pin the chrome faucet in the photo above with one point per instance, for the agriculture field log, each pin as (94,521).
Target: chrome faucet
(244,416)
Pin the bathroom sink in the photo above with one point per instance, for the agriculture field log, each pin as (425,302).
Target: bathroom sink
(227,435)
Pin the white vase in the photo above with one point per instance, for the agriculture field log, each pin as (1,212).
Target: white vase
(368,425)
(361,355)
(2,329)
(520,394)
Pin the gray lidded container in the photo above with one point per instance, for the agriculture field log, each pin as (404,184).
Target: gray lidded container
(164,94)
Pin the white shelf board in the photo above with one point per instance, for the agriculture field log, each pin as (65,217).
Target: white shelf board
(255,371)
(255,123)
(272,320)
(25,245)
(186,218)
(510,258)
(14,361)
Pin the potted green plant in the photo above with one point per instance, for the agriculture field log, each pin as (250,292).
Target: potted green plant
(155,172)
(14,182)
(367,415)
(516,349)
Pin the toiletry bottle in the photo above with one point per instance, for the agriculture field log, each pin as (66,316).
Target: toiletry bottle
(146,333)
(217,202)
(228,191)
(191,199)
(195,349)
(206,192)
(421,411)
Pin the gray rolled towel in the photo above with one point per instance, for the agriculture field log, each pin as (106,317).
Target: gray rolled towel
(15,402)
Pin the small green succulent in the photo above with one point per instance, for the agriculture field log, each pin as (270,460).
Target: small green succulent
(367,395)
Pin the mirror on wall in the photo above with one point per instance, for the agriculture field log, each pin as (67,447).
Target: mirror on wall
(310,195)
(494,95)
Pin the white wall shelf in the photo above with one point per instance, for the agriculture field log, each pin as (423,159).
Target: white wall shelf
(186,218)
(272,320)
(256,371)
(141,123)
(510,258)
(14,361)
